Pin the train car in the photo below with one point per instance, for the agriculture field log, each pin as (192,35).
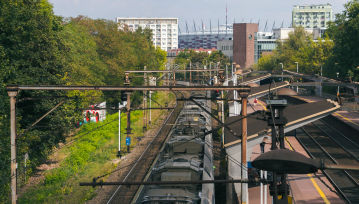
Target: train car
(186,156)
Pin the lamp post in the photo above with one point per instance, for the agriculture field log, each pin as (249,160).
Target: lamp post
(338,88)
(282,70)
(119,126)
(297,66)
(297,72)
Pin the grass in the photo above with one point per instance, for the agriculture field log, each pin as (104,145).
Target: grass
(89,156)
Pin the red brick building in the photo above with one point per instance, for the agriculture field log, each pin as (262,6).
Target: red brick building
(243,43)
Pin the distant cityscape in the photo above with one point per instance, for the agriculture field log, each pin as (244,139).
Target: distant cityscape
(243,43)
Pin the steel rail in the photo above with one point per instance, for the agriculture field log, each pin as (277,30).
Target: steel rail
(351,141)
(330,156)
(331,180)
(341,146)
(339,189)
(130,88)
(321,147)
(335,140)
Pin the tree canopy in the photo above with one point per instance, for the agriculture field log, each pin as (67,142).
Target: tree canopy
(201,58)
(344,32)
(301,48)
(337,52)
(40,48)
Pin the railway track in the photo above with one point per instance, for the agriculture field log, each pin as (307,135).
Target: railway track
(327,140)
(125,194)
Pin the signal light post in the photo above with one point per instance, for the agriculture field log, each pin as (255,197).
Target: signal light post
(276,119)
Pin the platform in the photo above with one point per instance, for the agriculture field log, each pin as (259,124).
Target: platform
(305,188)
(297,116)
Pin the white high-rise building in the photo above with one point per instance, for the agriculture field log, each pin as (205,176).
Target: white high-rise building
(312,16)
(164,30)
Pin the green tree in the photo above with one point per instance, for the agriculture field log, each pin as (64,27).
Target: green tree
(344,32)
(299,47)
(266,62)
(31,52)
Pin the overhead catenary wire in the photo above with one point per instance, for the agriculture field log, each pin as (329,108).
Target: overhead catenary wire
(186,142)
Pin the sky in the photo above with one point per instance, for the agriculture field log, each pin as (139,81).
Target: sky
(274,12)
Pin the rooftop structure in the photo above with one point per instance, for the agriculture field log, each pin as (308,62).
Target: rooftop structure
(164,30)
(312,16)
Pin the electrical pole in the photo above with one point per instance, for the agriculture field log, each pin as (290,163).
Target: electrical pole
(222,107)
(12,94)
(128,129)
(128,132)
(145,102)
(244,172)
(185,73)
(190,72)
(149,121)
(297,73)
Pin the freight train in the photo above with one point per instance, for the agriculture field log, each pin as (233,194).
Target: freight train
(185,156)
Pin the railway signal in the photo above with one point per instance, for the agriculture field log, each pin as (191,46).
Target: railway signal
(128,143)
(276,119)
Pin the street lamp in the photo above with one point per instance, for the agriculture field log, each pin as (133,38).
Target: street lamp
(338,88)
(297,72)
(120,106)
(282,70)
(297,66)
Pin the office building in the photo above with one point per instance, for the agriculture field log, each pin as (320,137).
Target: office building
(164,30)
(312,16)
(264,43)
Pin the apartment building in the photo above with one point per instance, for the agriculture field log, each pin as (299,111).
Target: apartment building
(164,30)
(312,16)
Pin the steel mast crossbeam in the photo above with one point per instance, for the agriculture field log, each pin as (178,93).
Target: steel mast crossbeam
(133,88)
(171,71)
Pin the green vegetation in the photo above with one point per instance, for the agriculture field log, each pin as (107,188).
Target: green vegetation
(88,157)
(202,58)
(345,31)
(337,52)
(91,155)
(40,48)
(300,48)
